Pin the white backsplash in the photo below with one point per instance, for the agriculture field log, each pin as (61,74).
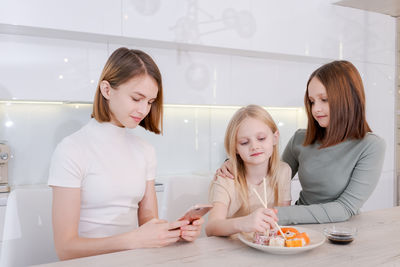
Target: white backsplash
(192,141)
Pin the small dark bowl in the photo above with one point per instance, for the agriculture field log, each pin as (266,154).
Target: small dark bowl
(340,235)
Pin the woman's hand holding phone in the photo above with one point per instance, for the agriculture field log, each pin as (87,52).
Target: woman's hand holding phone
(157,233)
(192,231)
(195,216)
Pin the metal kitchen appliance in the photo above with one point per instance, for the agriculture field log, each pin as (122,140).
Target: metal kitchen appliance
(4,157)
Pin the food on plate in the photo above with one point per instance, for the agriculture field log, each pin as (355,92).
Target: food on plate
(274,238)
(277,241)
(294,238)
(261,238)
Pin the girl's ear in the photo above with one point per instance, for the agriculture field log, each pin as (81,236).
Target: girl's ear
(105,89)
(275,137)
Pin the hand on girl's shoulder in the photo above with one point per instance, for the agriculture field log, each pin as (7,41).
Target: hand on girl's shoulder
(225,182)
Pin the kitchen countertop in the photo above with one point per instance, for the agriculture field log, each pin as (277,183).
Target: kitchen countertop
(4,196)
(377,244)
(3,199)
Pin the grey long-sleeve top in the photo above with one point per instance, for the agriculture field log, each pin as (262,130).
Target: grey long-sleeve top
(336,181)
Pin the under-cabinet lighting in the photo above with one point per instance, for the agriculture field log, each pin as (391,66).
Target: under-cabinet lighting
(8,102)
(223,107)
(40,102)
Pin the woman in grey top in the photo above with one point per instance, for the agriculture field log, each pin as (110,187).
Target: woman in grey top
(338,159)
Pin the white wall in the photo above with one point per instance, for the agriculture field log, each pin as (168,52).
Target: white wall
(192,141)
(229,53)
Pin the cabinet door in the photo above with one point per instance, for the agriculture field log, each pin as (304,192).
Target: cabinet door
(2,218)
(95,16)
(33,68)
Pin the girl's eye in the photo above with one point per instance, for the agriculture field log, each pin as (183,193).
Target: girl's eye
(261,138)
(325,100)
(134,99)
(244,143)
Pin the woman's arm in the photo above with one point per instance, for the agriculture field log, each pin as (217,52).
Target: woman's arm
(69,245)
(290,157)
(284,185)
(363,181)
(148,205)
(218,225)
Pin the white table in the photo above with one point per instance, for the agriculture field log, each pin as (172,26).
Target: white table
(377,244)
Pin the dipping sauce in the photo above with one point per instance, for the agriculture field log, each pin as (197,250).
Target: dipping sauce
(340,240)
(340,235)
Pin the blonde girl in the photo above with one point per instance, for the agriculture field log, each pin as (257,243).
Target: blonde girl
(251,142)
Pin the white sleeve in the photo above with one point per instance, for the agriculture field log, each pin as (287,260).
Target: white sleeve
(66,166)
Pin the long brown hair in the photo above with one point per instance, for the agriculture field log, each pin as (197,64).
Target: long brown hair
(123,65)
(239,170)
(346,99)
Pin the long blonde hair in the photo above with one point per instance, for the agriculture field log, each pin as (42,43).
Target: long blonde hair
(239,170)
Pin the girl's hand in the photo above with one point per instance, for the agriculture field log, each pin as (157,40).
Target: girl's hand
(192,231)
(224,171)
(158,233)
(259,220)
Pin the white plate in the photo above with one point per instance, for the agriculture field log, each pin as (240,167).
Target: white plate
(316,240)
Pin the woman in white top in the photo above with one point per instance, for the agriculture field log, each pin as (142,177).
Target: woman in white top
(103,176)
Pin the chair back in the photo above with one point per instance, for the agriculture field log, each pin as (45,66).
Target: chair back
(182,192)
(28,231)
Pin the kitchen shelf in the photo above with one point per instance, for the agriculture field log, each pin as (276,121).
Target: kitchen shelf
(45,102)
(104,38)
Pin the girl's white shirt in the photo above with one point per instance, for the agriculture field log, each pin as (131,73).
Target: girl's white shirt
(111,167)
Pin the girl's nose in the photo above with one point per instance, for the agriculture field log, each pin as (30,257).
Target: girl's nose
(253,145)
(142,107)
(317,107)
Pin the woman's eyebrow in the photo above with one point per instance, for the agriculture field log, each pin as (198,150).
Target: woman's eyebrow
(142,95)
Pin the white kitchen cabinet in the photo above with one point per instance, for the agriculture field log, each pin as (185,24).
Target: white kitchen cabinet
(35,68)
(265,82)
(194,78)
(191,77)
(2,217)
(94,16)
(304,28)
(2,220)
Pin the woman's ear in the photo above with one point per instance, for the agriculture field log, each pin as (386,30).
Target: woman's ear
(275,137)
(105,89)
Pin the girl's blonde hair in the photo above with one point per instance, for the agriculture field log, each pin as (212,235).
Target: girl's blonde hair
(239,170)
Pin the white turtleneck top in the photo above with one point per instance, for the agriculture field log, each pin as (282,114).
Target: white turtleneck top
(111,166)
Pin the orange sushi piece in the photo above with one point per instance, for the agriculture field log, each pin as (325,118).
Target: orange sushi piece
(295,242)
(305,237)
(294,238)
(289,232)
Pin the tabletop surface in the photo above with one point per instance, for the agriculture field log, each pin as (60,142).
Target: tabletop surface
(377,244)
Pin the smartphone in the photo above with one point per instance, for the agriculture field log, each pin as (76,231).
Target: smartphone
(196,212)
